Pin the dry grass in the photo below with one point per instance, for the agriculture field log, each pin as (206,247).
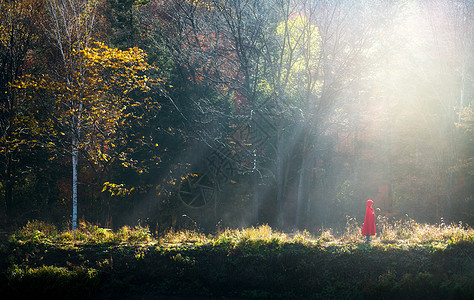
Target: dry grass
(183,236)
(408,233)
(272,262)
(413,233)
(396,233)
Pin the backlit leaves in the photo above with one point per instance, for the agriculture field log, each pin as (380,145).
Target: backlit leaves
(93,99)
(300,41)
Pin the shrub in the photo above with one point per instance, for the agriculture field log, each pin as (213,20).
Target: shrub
(183,237)
(412,233)
(305,238)
(52,282)
(36,232)
(136,235)
(252,237)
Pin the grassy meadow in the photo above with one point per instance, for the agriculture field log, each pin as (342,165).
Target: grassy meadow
(407,260)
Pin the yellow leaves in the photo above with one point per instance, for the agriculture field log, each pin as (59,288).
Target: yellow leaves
(116,189)
(106,184)
(115,71)
(205,5)
(91,96)
(101,56)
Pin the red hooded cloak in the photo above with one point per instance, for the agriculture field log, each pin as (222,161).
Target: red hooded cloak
(369,222)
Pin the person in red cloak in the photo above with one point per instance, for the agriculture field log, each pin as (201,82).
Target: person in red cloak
(369,223)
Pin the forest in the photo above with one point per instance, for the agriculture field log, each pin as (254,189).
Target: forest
(226,149)
(212,114)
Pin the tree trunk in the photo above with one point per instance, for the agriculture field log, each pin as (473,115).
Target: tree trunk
(301,191)
(311,182)
(356,166)
(74,182)
(280,178)
(255,200)
(8,203)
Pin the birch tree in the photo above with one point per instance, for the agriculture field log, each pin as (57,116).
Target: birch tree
(91,106)
(90,89)
(71,28)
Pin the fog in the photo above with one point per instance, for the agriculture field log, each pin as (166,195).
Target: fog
(333,103)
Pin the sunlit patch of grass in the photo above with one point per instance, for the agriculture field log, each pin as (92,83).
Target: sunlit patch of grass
(252,237)
(93,234)
(391,233)
(256,237)
(413,234)
(136,235)
(36,232)
(182,237)
(88,233)
(352,232)
(305,238)
(227,238)
(39,232)
(396,233)
(263,232)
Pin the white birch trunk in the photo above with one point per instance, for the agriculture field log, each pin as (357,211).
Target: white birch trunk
(74,181)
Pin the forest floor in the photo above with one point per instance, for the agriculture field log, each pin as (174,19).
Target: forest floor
(408,261)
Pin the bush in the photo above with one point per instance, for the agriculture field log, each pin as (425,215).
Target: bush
(52,282)
(36,232)
(137,235)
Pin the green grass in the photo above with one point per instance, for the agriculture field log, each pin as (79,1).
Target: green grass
(407,260)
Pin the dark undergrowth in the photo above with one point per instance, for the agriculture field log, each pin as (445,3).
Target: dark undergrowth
(409,261)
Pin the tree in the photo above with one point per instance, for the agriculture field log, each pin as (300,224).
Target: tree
(89,103)
(18,33)
(328,81)
(284,65)
(122,18)
(336,60)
